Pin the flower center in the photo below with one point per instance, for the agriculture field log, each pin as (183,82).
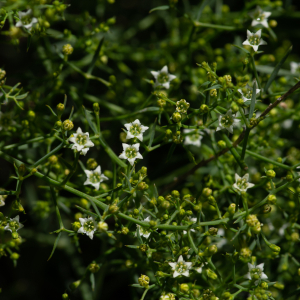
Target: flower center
(81,139)
(255,273)
(89,226)
(248,94)
(130,152)
(254,40)
(95,177)
(180,267)
(13,225)
(144,231)
(242,183)
(194,137)
(26,20)
(259,17)
(163,77)
(135,129)
(226,121)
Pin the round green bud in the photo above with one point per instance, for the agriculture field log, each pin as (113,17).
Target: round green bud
(213,231)
(113,209)
(58,124)
(222,144)
(272,199)
(53,159)
(166,217)
(184,288)
(227,296)
(166,204)
(60,108)
(270,174)
(189,213)
(25,123)
(251,220)
(169,132)
(96,107)
(161,103)
(76,226)
(65,296)
(289,178)
(274,247)
(295,237)
(15,235)
(143,171)
(176,117)
(153,223)
(125,230)
(204,109)
(211,274)
(198,207)
(273,23)
(182,212)
(144,281)
(266,209)
(75,285)
(143,247)
(136,211)
(31,115)
(67,125)
(206,192)
(91,164)
(67,49)
(175,194)
(22,170)
(142,186)
(93,267)
(102,226)
(14,256)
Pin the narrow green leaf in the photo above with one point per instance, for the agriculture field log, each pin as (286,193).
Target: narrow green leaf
(170,153)
(277,68)
(54,246)
(163,7)
(132,246)
(95,57)
(243,49)
(17,103)
(152,133)
(89,119)
(85,211)
(206,83)
(190,155)
(216,86)
(253,100)
(92,279)
(19,97)
(53,113)
(136,285)
(138,235)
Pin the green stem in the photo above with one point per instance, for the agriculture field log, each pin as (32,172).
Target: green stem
(255,71)
(61,225)
(146,291)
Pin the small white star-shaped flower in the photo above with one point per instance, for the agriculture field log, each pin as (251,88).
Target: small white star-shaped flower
(247,94)
(162,77)
(256,273)
(95,177)
(295,67)
(260,17)
(254,40)
(82,141)
(88,226)
(181,267)
(14,224)
(144,231)
(135,130)
(26,20)
(192,139)
(241,183)
(131,152)
(227,121)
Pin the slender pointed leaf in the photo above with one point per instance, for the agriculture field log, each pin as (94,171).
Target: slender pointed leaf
(53,113)
(172,148)
(95,57)
(163,7)
(216,86)
(89,119)
(243,49)
(54,246)
(92,279)
(253,100)
(152,133)
(277,68)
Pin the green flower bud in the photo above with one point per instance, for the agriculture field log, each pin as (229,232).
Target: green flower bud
(96,108)
(182,212)
(264,285)
(91,164)
(266,209)
(272,199)
(204,109)
(209,251)
(198,207)
(184,288)
(53,159)
(175,194)
(67,125)
(125,230)
(176,117)
(206,192)
(102,226)
(160,199)
(143,171)
(15,235)
(93,267)
(31,115)
(227,296)
(22,170)
(270,174)
(273,23)
(213,231)
(76,226)
(251,220)
(166,217)
(113,209)
(144,281)
(222,144)
(169,132)
(65,296)
(152,223)
(75,285)
(295,237)
(274,247)
(289,178)
(213,93)
(166,204)
(257,228)
(182,106)
(211,274)
(161,103)
(279,286)
(67,49)
(245,254)
(14,256)
(142,186)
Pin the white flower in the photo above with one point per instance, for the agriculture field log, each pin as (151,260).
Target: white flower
(131,152)
(199,269)
(164,297)
(88,226)
(254,40)
(260,17)
(143,231)
(95,177)
(192,139)
(256,273)
(2,203)
(247,94)
(135,130)
(241,183)
(227,121)
(181,267)
(14,224)
(82,141)
(295,67)
(26,20)
(163,78)
(194,220)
